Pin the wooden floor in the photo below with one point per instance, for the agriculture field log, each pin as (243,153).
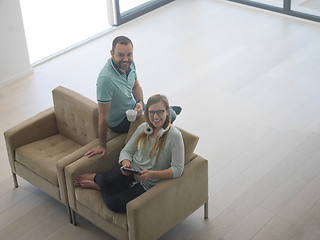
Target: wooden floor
(249,85)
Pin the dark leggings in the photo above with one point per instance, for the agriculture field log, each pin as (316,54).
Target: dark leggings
(116,190)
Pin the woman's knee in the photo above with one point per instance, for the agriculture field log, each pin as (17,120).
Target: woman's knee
(102,180)
(108,181)
(116,204)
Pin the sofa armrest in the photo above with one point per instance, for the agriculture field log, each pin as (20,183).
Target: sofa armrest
(38,127)
(167,203)
(94,164)
(68,160)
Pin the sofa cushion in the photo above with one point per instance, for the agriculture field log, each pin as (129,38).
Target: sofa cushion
(93,200)
(41,156)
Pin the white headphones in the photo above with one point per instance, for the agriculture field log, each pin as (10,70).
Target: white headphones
(149,130)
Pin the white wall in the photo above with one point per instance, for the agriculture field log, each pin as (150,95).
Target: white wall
(14,57)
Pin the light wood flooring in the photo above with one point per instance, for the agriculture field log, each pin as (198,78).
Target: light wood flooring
(248,81)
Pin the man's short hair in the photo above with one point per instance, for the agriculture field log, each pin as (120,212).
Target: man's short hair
(122,40)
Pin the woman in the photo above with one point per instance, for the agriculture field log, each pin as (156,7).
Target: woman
(155,151)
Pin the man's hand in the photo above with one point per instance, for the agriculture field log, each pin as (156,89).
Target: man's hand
(96,150)
(139,108)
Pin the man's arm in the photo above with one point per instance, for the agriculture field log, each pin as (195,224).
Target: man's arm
(103,109)
(138,95)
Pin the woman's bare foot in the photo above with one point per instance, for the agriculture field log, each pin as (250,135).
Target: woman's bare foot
(82,177)
(89,184)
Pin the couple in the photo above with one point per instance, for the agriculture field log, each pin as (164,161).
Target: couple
(118,90)
(155,150)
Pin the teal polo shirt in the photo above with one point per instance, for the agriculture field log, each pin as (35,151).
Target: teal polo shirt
(115,87)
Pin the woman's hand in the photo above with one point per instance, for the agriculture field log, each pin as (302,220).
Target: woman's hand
(145,175)
(125,164)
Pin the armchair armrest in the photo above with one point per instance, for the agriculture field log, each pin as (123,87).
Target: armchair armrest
(93,164)
(35,128)
(68,160)
(163,206)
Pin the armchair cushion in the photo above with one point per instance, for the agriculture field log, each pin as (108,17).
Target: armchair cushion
(41,156)
(94,164)
(40,126)
(93,200)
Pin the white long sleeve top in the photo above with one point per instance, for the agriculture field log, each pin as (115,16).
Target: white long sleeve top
(171,157)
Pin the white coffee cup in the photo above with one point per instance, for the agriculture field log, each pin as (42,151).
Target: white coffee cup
(131,115)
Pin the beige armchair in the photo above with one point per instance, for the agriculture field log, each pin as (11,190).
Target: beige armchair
(40,147)
(153,213)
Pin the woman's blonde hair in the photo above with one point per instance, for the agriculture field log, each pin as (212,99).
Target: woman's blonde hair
(143,137)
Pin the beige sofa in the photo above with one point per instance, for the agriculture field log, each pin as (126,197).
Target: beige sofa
(40,147)
(153,213)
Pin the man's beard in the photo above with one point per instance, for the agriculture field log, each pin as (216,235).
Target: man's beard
(124,65)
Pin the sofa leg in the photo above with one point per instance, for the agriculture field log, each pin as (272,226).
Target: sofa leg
(15,181)
(206,211)
(73,217)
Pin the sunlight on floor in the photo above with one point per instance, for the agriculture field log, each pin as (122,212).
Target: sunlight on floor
(52,26)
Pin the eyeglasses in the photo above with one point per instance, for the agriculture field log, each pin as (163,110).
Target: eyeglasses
(158,112)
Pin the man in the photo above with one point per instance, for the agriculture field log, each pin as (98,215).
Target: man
(118,90)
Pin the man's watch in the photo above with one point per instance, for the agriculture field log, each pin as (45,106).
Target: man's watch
(140,101)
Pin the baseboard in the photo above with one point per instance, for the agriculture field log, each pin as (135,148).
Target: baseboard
(16,77)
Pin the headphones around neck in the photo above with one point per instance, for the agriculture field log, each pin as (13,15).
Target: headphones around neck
(149,130)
